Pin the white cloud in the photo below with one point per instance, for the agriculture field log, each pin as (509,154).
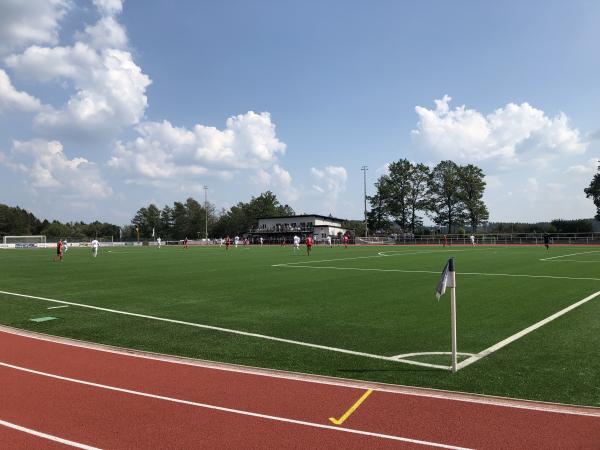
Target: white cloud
(492,181)
(248,142)
(49,170)
(11,99)
(262,178)
(509,134)
(26,22)
(106,33)
(109,7)
(331,180)
(110,88)
(589,168)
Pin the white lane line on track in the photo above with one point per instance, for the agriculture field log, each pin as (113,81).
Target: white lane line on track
(480,399)
(231,331)
(231,410)
(488,351)
(50,437)
(437,272)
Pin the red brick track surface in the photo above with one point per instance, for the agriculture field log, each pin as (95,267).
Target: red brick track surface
(106,398)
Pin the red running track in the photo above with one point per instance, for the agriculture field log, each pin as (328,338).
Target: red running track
(100,397)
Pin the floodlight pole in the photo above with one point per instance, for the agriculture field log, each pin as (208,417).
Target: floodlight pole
(206,213)
(364,169)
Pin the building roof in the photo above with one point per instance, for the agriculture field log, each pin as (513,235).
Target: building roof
(304,215)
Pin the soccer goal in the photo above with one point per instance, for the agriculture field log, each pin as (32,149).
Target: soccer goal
(375,240)
(25,241)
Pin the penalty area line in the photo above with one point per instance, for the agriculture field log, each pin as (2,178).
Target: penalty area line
(230,331)
(488,351)
(437,272)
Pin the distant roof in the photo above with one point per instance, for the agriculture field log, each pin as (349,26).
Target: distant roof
(304,215)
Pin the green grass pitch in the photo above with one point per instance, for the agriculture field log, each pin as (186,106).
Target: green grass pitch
(354,299)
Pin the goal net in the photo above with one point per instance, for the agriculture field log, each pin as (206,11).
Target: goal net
(25,241)
(375,240)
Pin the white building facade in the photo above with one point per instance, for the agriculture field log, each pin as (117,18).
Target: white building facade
(279,228)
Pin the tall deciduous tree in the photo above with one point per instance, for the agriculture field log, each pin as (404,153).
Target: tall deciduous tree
(593,191)
(398,192)
(445,205)
(378,215)
(471,189)
(418,193)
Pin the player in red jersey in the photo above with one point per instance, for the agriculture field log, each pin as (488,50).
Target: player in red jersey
(59,251)
(185,243)
(227,242)
(346,239)
(309,244)
(445,240)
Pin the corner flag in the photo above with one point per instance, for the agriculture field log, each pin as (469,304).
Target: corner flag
(448,279)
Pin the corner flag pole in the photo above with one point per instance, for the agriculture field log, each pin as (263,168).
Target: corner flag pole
(453,311)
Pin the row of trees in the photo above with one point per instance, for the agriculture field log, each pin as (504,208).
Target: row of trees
(15,221)
(593,192)
(191,218)
(451,195)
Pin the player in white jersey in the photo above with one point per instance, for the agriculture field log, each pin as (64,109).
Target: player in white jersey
(221,241)
(296,243)
(95,245)
(261,241)
(236,241)
(329,241)
(158,242)
(472,240)
(65,246)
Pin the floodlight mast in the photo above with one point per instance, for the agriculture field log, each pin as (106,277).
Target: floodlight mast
(364,169)
(206,213)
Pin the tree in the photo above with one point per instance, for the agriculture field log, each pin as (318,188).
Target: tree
(471,188)
(445,205)
(418,193)
(398,191)
(166,223)
(242,217)
(593,191)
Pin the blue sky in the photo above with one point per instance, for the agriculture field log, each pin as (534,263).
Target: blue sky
(106,106)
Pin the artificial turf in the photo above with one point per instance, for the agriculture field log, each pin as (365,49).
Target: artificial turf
(351,298)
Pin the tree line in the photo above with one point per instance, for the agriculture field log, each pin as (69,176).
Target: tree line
(15,221)
(192,219)
(449,194)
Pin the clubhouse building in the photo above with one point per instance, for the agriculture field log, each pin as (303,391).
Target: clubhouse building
(276,229)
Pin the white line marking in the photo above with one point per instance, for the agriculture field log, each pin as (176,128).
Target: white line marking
(230,410)
(570,254)
(378,255)
(229,330)
(437,272)
(46,436)
(481,399)
(520,334)
(410,355)
(56,307)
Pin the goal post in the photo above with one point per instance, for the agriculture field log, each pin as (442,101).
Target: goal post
(375,240)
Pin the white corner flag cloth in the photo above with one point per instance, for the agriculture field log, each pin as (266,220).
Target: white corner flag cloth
(445,279)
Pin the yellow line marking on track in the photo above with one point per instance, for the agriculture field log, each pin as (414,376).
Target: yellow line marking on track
(347,414)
